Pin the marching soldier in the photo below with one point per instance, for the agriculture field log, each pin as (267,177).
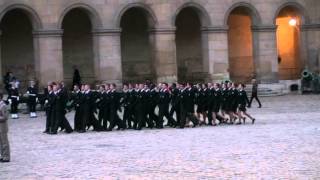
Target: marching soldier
(187,105)
(32,93)
(175,106)
(76,100)
(114,107)
(164,100)
(13,99)
(243,101)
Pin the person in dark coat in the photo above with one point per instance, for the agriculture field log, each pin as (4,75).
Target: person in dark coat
(58,118)
(7,81)
(32,93)
(175,106)
(76,100)
(114,107)
(164,101)
(87,105)
(76,80)
(48,108)
(243,101)
(187,106)
(254,94)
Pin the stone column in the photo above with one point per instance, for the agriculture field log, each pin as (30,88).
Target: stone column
(265,53)
(215,53)
(310,46)
(164,53)
(108,65)
(48,55)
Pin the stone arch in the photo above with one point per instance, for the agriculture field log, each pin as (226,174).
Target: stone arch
(150,15)
(94,16)
(200,10)
(255,16)
(301,9)
(29,11)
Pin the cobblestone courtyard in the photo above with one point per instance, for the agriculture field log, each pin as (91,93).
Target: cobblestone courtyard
(284,143)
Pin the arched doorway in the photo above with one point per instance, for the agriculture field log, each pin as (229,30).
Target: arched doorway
(189,46)
(17,48)
(77,45)
(137,59)
(288,23)
(240,45)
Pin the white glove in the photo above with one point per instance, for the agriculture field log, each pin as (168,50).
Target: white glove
(10,101)
(37,99)
(46,101)
(18,98)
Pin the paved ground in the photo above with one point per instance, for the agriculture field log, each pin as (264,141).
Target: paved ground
(283,144)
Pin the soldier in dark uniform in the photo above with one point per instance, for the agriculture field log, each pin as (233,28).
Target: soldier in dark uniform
(175,107)
(32,93)
(128,103)
(76,100)
(243,101)
(48,108)
(88,108)
(13,99)
(210,103)
(233,98)
(105,107)
(150,103)
(224,100)
(140,107)
(187,106)
(59,102)
(100,102)
(199,98)
(254,94)
(164,101)
(114,107)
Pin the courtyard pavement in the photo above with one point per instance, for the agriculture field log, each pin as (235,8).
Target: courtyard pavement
(283,144)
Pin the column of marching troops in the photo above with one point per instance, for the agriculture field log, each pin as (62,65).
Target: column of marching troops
(140,105)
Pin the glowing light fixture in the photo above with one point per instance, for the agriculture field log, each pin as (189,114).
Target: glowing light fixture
(292,22)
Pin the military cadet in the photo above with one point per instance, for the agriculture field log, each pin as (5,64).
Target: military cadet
(164,101)
(48,108)
(76,100)
(13,99)
(151,104)
(199,102)
(114,107)
(233,102)
(140,108)
(88,108)
(187,105)
(175,107)
(243,101)
(99,102)
(131,104)
(59,110)
(32,93)
(224,100)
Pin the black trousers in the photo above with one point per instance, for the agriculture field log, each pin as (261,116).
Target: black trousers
(186,114)
(14,106)
(77,119)
(128,116)
(32,105)
(254,96)
(164,112)
(115,120)
(175,109)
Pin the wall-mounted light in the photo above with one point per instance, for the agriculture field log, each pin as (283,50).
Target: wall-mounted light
(292,22)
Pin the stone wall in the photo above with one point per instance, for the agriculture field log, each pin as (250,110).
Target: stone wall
(109,64)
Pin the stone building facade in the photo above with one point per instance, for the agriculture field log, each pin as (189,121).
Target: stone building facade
(162,40)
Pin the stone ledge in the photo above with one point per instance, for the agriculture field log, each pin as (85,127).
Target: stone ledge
(48,33)
(310,27)
(215,29)
(167,30)
(264,28)
(106,32)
